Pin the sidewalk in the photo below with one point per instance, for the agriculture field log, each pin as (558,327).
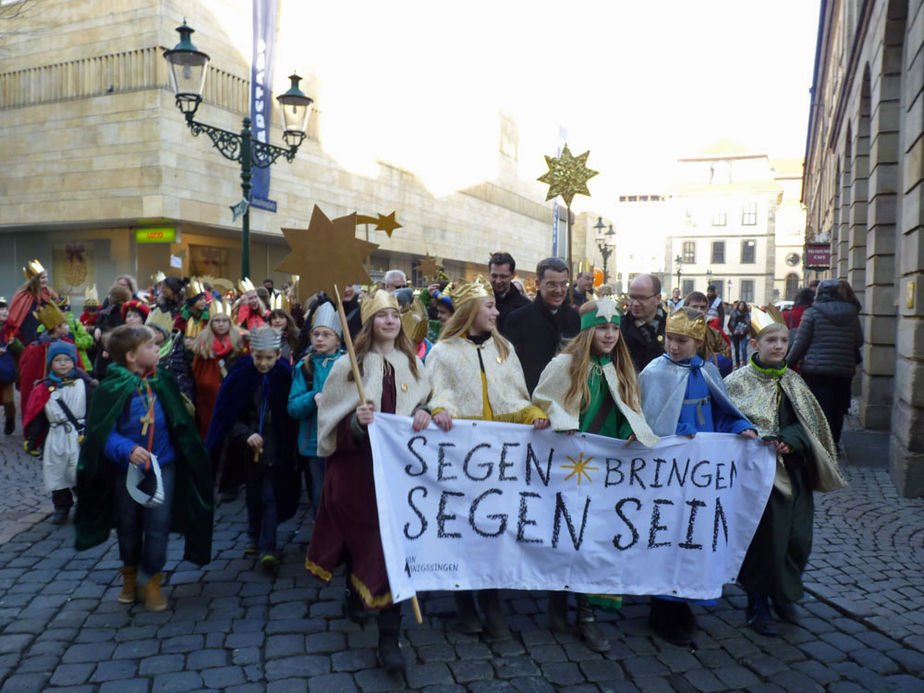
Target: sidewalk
(232,628)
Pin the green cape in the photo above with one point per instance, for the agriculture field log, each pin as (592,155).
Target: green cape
(191,510)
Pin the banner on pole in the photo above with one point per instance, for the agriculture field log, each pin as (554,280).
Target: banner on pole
(261,93)
(493,505)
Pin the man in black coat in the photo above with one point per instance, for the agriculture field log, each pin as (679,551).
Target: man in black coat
(502,269)
(643,324)
(538,329)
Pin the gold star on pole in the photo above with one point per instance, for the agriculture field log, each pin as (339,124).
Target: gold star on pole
(325,254)
(383,222)
(579,468)
(430,266)
(567,175)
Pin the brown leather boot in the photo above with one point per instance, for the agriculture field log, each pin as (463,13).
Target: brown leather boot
(129,573)
(150,594)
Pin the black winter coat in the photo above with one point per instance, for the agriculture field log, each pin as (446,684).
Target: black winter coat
(509,303)
(537,335)
(829,339)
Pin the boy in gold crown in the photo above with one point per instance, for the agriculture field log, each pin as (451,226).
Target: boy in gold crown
(684,395)
(786,414)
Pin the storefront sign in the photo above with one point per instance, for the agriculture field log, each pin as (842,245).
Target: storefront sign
(818,256)
(160,234)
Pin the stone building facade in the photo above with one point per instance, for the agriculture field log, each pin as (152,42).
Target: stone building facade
(864,193)
(92,149)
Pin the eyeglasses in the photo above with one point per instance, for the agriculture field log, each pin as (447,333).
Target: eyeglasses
(556,285)
(639,299)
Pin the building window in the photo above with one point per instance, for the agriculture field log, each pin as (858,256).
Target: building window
(689,252)
(719,219)
(719,285)
(748,252)
(792,286)
(749,215)
(747,290)
(689,285)
(718,252)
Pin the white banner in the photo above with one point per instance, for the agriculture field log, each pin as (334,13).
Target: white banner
(501,505)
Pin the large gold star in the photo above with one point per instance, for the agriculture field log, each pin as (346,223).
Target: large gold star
(325,254)
(607,309)
(430,266)
(383,222)
(567,175)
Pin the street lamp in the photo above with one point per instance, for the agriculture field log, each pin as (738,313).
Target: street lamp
(679,262)
(187,77)
(708,277)
(604,243)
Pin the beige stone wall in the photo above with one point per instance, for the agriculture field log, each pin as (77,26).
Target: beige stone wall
(863,185)
(90,138)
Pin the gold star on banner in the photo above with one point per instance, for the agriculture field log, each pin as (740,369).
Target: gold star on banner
(579,467)
(430,266)
(325,254)
(383,222)
(607,309)
(567,175)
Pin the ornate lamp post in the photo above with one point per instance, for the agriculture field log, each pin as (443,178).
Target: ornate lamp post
(187,77)
(604,244)
(678,261)
(708,277)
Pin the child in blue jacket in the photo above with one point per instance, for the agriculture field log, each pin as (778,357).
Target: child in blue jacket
(307,383)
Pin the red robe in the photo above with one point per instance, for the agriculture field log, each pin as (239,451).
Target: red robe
(207,374)
(20,305)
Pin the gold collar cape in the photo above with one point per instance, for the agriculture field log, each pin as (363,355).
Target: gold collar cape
(554,383)
(756,393)
(455,376)
(339,398)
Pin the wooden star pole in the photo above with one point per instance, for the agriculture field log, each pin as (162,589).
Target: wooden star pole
(357,378)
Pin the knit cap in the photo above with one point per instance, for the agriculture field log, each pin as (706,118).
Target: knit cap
(59,347)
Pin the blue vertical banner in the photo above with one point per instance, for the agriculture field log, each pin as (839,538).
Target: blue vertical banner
(265,13)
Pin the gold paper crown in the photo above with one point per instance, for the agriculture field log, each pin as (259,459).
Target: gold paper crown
(245,285)
(680,323)
(90,297)
(158,277)
(160,318)
(33,269)
(761,319)
(194,288)
(50,316)
(462,293)
(373,303)
(414,321)
(276,302)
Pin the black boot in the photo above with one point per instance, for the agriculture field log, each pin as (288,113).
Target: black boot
(468,615)
(389,651)
(672,621)
(758,615)
(494,623)
(786,611)
(558,612)
(587,628)
(10,424)
(353,607)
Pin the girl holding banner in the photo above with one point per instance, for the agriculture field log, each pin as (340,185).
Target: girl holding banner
(475,374)
(591,387)
(684,395)
(347,526)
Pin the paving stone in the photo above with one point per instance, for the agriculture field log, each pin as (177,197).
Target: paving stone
(177,682)
(136,649)
(466,672)
(25,683)
(491,687)
(644,666)
(532,684)
(433,674)
(375,680)
(246,655)
(206,659)
(114,670)
(910,660)
(71,674)
(822,652)
(332,683)
(515,667)
(602,670)
(284,645)
(562,673)
(436,653)
(161,664)
(300,666)
(320,643)
(92,652)
(125,686)
(473,650)
(222,677)
(353,660)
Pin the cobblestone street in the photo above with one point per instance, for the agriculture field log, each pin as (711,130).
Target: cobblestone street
(232,628)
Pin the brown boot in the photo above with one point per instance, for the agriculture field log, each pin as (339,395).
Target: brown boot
(150,594)
(129,573)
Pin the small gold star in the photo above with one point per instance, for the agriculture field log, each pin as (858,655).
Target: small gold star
(579,467)
(567,175)
(383,222)
(430,266)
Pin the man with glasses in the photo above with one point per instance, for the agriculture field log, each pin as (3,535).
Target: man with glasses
(643,325)
(583,288)
(502,269)
(394,280)
(538,329)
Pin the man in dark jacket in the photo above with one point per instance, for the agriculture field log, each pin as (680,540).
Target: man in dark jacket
(643,324)
(538,329)
(502,269)
(827,351)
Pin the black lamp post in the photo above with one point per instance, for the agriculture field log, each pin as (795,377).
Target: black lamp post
(187,77)
(604,244)
(678,261)
(708,277)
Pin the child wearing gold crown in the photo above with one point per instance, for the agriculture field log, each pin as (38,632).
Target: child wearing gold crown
(29,298)
(591,386)
(684,395)
(787,415)
(475,374)
(347,526)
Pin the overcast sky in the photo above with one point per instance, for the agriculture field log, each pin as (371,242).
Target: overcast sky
(637,83)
